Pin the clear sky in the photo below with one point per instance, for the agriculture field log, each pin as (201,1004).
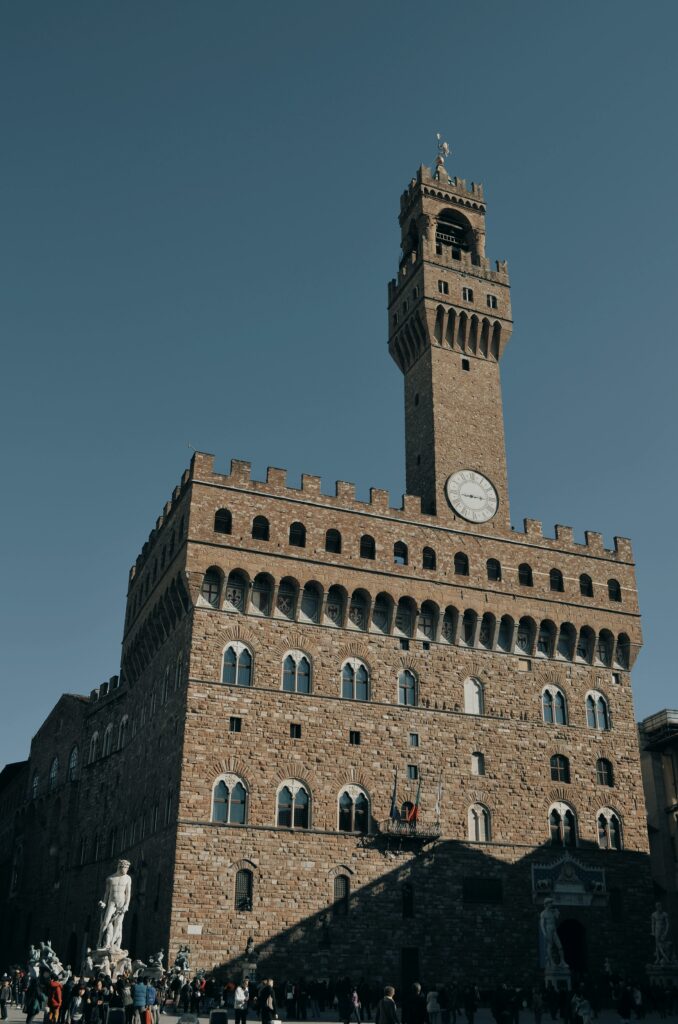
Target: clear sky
(198,221)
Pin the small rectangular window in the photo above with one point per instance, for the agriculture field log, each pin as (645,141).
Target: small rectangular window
(404,644)
(443,287)
(492,301)
(466,364)
(354,738)
(467,294)
(235,724)
(616,678)
(295,730)
(413,772)
(524,665)
(426,645)
(439,248)
(414,739)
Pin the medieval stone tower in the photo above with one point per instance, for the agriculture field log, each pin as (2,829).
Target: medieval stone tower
(373,737)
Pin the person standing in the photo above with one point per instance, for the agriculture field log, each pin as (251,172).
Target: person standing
(241,1001)
(5,995)
(433,1007)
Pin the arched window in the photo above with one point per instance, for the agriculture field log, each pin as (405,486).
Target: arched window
(358,610)
(298,535)
(35,786)
(460,564)
(107,745)
(335,606)
(479,824)
(342,891)
(400,553)
(287,598)
(448,631)
(614,590)
(585,644)
(237,665)
(293,805)
(381,613)
(367,547)
(178,670)
(296,677)
(229,801)
(546,639)
(427,620)
(73,763)
(605,646)
(585,585)
(473,697)
(408,900)
(562,825)
(236,591)
(566,641)
(525,635)
(477,763)
(505,636)
(609,830)
(468,627)
(333,542)
(355,680)
(222,521)
(554,708)
(94,747)
(525,578)
(244,887)
(428,559)
(311,602)
(123,729)
(486,634)
(354,811)
(560,768)
(262,594)
(407,689)
(597,712)
(604,772)
(54,773)
(404,619)
(623,651)
(494,570)
(556,581)
(260,528)
(211,586)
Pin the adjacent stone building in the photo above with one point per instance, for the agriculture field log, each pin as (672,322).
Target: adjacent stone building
(659,763)
(374,738)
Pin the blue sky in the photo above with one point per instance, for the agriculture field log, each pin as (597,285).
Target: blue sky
(199,219)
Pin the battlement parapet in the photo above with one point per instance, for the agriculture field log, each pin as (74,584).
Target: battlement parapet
(168,509)
(440,184)
(105,689)
(344,498)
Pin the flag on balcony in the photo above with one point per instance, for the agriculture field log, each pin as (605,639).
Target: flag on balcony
(413,812)
(395,813)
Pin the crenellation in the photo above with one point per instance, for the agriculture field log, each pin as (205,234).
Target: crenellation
(310,484)
(379,499)
(594,541)
(276,478)
(345,491)
(565,535)
(533,528)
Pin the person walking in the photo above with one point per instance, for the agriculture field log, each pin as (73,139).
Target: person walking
(268,1009)
(5,995)
(35,1000)
(433,1007)
(387,1011)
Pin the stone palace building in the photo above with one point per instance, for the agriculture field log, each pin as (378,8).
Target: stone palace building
(373,738)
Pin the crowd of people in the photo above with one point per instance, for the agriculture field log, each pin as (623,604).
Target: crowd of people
(141,1000)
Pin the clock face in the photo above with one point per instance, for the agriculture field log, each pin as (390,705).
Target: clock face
(472,496)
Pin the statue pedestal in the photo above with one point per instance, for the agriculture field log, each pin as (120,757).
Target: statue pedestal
(664,975)
(559,976)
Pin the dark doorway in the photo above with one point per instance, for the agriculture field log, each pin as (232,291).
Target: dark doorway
(573,937)
(72,953)
(409,967)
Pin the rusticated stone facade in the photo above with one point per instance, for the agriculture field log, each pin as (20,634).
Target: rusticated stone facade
(495,688)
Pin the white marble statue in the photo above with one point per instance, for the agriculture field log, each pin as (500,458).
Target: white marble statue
(114,906)
(660,927)
(548,925)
